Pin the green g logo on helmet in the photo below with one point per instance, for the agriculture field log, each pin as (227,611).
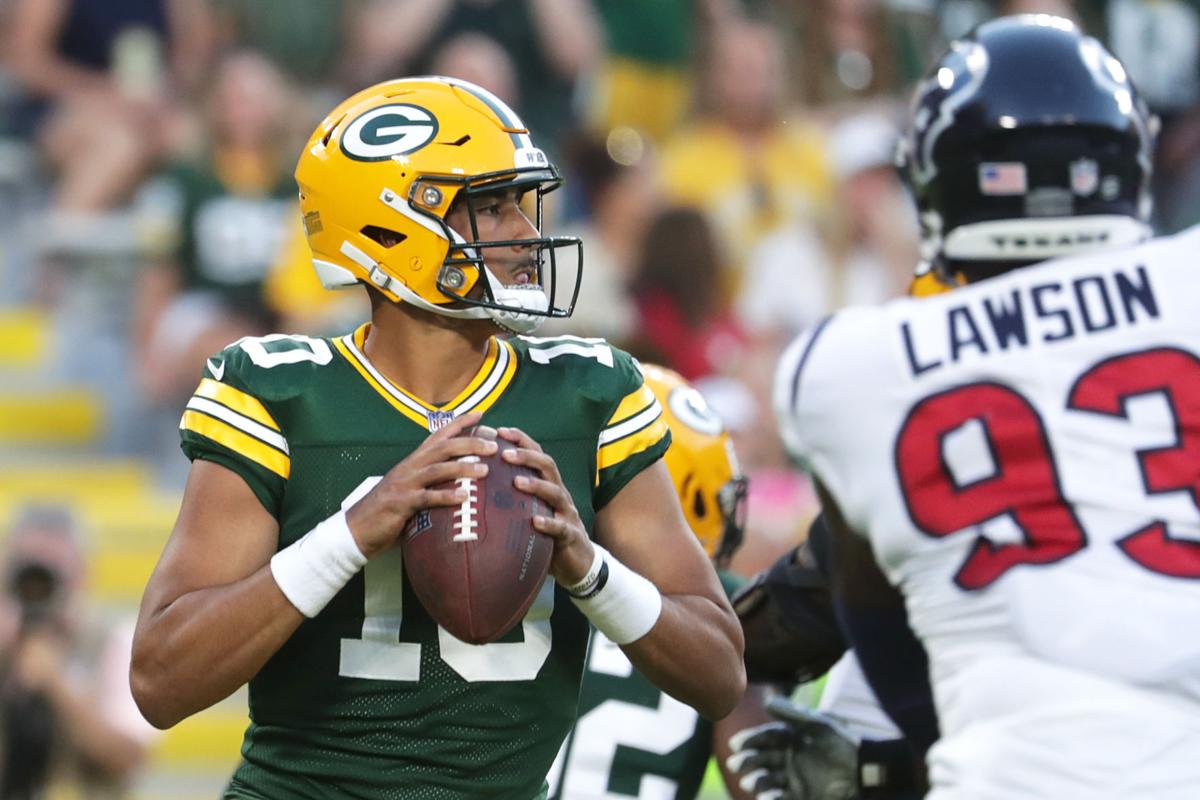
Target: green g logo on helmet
(388,131)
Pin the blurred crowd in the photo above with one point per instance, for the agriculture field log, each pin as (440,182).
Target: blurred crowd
(728,164)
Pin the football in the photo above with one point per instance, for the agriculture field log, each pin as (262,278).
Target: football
(477,567)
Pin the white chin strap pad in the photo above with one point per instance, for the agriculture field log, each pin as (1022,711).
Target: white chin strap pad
(523,296)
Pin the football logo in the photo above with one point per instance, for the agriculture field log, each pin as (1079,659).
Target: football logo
(387,131)
(688,405)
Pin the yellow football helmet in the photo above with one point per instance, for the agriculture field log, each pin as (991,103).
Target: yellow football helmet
(381,172)
(928,281)
(702,464)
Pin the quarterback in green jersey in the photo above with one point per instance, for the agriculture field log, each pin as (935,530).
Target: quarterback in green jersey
(310,456)
(631,739)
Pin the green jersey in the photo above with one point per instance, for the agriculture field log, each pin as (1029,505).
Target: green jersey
(371,698)
(631,739)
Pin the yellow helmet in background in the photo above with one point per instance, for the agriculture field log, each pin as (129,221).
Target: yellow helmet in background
(702,463)
(927,281)
(381,172)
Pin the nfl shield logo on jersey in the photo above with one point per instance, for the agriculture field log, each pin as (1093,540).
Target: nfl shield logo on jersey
(439,420)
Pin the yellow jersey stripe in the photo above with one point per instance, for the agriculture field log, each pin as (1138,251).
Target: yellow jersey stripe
(485,371)
(236,400)
(238,441)
(244,424)
(633,403)
(493,386)
(631,424)
(615,452)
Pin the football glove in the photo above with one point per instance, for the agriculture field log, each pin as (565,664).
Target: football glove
(802,755)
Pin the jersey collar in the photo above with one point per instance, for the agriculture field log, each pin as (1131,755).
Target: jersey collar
(494,376)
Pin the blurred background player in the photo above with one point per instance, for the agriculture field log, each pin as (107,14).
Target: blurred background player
(958,440)
(631,739)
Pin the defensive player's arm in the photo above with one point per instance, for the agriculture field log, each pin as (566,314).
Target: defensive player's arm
(694,650)
(873,615)
(212,613)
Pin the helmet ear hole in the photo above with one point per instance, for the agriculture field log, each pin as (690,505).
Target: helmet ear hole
(699,505)
(383,236)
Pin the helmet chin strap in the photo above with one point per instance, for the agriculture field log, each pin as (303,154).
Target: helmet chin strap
(386,282)
(518,297)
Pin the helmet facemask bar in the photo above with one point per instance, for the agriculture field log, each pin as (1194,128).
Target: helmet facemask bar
(731,499)
(466,257)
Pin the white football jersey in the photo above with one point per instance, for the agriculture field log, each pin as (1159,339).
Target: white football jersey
(847,697)
(1024,456)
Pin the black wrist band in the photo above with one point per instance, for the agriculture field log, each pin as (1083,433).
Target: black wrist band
(594,589)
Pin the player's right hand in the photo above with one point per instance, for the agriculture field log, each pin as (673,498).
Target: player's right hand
(378,519)
(803,755)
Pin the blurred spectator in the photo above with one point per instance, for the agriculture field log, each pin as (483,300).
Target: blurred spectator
(304,38)
(68,719)
(683,320)
(744,160)
(479,59)
(618,182)
(98,75)
(237,202)
(1159,43)
(781,502)
(309,40)
(798,274)
(553,43)
(644,78)
(849,51)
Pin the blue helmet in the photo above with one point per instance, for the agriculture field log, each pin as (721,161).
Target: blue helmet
(1027,140)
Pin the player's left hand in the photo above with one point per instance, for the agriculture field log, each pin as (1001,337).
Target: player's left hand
(802,755)
(573,550)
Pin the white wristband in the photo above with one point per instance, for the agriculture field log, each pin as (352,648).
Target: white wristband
(625,606)
(313,569)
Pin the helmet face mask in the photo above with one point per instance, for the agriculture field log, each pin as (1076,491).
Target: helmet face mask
(468,256)
(1027,141)
(385,169)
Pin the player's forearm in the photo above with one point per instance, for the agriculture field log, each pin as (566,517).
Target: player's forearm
(694,654)
(204,645)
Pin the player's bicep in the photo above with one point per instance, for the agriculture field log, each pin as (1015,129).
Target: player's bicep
(222,535)
(644,527)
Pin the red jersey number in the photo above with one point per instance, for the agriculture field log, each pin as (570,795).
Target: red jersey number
(1024,484)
